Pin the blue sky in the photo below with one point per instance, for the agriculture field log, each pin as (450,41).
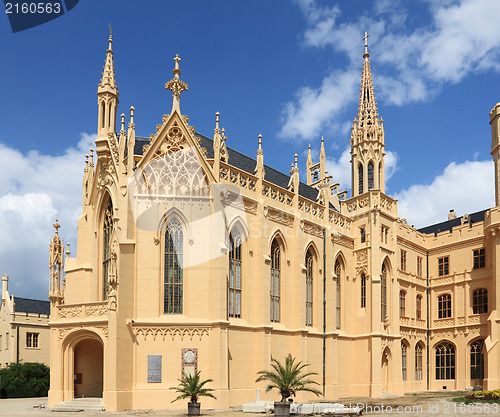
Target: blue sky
(289,70)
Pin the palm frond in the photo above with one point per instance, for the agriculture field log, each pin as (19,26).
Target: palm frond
(288,378)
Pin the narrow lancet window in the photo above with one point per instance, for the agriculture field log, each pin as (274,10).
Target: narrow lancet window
(383,293)
(371,180)
(106,244)
(309,288)
(360,179)
(338,274)
(173,280)
(275,281)
(234,293)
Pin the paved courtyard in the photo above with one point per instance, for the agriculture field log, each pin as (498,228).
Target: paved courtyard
(425,405)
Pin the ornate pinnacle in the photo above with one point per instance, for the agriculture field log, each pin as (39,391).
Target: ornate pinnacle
(176,85)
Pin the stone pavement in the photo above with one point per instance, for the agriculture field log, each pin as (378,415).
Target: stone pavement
(429,404)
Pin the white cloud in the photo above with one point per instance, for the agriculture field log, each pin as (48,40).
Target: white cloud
(35,189)
(467,187)
(314,107)
(459,38)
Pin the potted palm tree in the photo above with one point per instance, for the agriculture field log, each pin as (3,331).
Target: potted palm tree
(191,387)
(288,380)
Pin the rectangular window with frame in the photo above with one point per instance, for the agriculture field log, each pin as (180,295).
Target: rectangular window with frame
(402,304)
(419,266)
(32,340)
(479,258)
(444,266)
(444,306)
(384,231)
(419,307)
(234,293)
(403,260)
(363,234)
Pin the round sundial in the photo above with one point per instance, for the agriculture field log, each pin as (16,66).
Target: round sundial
(189,356)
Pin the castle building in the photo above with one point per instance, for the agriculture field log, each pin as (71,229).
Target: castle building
(193,257)
(24,328)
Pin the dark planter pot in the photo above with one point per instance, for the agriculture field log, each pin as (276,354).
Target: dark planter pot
(281,409)
(194,409)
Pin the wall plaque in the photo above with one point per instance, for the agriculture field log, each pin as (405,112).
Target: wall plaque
(154,368)
(189,361)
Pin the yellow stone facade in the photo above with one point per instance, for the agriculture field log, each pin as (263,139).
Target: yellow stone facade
(24,329)
(148,298)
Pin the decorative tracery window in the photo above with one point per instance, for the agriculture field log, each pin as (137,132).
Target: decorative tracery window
(234,294)
(383,293)
(338,274)
(360,179)
(363,291)
(173,276)
(445,361)
(480,301)
(403,360)
(418,362)
(309,288)
(275,281)
(477,360)
(371,179)
(106,247)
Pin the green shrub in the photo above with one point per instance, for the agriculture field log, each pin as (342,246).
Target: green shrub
(29,379)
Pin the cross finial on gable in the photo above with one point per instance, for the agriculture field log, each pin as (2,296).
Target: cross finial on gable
(176,85)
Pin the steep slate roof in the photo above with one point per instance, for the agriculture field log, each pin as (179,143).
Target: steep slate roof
(244,163)
(450,224)
(27,305)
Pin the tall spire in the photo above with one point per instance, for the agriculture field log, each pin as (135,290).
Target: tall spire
(108,75)
(176,85)
(367,110)
(367,137)
(107,93)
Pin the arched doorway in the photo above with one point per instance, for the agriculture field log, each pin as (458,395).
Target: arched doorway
(88,368)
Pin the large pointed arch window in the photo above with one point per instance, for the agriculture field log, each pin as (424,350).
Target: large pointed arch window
(309,288)
(383,293)
(106,247)
(418,362)
(275,281)
(371,176)
(173,276)
(477,360)
(338,274)
(234,290)
(445,361)
(360,179)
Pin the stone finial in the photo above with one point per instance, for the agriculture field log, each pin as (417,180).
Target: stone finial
(123,122)
(260,145)
(91,157)
(176,85)
(132,108)
(56,226)
(67,250)
(216,130)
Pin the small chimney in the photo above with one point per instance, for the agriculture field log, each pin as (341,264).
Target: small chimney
(452,215)
(5,286)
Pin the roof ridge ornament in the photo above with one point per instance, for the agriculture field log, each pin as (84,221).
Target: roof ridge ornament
(176,85)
